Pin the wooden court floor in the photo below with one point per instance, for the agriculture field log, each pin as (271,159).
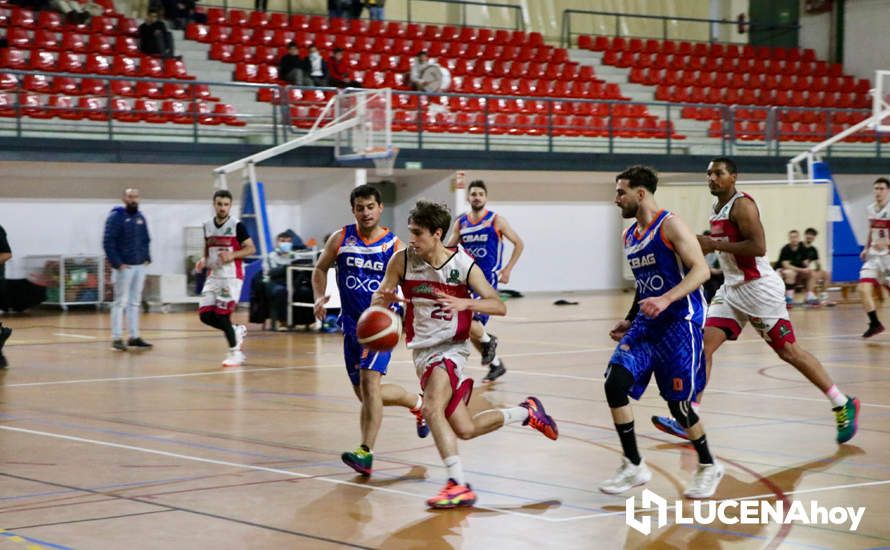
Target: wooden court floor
(164,449)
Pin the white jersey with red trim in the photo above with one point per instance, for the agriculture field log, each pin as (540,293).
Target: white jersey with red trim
(426,321)
(878,229)
(736,268)
(223,238)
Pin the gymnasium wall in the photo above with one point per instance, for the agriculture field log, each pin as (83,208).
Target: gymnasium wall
(866,49)
(856,193)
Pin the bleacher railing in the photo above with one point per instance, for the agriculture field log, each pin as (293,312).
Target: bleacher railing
(518,21)
(712,27)
(435,120)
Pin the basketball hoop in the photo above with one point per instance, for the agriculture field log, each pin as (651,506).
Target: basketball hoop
(384,160)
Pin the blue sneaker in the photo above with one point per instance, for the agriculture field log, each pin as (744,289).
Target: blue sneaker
(422,429)
(670,426)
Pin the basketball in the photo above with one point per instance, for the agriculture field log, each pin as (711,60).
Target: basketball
(379,329)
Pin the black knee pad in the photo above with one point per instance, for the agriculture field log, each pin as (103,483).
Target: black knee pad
(618,383)
(683,413)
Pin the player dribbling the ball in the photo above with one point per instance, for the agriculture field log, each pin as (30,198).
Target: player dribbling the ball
(437,282)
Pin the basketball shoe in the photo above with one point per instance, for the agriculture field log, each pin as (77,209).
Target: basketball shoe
(873,330)
(240,333)
(453,495)
(489,349)
(422,429)
(704,483)
(495,371)
(626,477)
(234,359)
(539,419)
(359,460)
(847,418)
(669,426)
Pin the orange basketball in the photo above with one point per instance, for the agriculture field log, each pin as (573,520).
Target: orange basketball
(379,329)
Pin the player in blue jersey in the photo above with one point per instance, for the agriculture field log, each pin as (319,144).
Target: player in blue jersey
(481,233)
(664,337)
(360,253)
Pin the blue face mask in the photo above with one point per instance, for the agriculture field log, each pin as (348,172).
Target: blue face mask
(285,246)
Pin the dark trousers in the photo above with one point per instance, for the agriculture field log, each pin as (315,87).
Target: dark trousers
(276,297)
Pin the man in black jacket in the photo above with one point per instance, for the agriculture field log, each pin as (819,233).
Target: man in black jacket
(154,38)
(292,67)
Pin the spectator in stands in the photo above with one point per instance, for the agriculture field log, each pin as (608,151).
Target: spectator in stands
(179,12)
(427,75)
(154,38)
(375,9)
(355,10)
(74,12)
(339,72)
(275,266)
(126,245)
(820,275)
(292,67)
(5,256)
(316,68)
(260,5)
(793,266)
(339,8)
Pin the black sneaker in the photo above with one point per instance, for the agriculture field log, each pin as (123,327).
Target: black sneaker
(489,350)
(138,343)
(5,333)
(118,345)
(872,330)
(3,362)
(495,372)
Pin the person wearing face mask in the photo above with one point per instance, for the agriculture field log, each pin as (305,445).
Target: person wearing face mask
(275,266)
(316,68)
(126,247)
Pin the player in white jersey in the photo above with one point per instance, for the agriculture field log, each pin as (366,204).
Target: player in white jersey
(437,282)
(226,243)
(876,269)
(753,291)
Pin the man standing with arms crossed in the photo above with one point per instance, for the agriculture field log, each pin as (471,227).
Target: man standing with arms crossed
(126,246)
(481,233)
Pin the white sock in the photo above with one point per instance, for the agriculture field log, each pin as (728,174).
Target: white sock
(485,338)
(496,362)
(455,470)
(695,406)
(514,414)
(419,403)
(837,398)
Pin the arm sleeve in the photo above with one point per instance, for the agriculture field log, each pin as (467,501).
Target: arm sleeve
(634,308)
(241,232)
(109,242)
(4,244)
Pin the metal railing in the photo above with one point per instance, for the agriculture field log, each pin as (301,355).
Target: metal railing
(620,17)
(518,22)
(479,121)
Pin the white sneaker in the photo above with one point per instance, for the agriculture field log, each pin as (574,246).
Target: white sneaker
(240,333)
(626,477)
(235,359)
(704,483)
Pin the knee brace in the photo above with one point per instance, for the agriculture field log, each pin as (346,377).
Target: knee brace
(618,384)
(683,413)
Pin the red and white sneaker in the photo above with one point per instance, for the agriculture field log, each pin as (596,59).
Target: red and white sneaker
(452,495)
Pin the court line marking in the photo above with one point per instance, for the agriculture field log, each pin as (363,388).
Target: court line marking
(396,491)
(257,468)
(81,336)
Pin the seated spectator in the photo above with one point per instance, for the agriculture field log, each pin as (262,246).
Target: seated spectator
(793,266)
(179,12)
(75,13)
(317,68)
(154,38)
(375,9)
(820,275)
(275,266)
(427,75)
(339,71)
(292,67)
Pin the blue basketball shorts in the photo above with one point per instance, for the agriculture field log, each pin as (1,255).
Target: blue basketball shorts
(493,281)
(670,348)
(358,357)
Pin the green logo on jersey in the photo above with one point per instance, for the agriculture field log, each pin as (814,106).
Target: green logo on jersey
(454,277)
(424,289)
